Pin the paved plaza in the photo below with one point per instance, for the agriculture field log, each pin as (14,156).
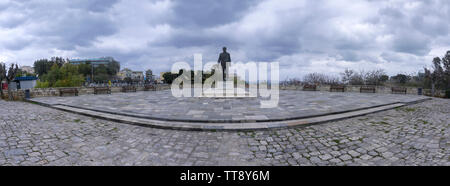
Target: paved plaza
(292,104)
(417,134)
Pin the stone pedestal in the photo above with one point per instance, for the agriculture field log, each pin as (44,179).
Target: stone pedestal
(226,90)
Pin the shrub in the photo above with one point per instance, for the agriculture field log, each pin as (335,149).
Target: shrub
(61,83)
(319,78)
(65,76)
(42,84)
(169,77)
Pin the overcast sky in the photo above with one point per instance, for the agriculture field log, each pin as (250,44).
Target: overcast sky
(304,36)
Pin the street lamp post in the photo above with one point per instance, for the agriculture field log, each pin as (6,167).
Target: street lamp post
(92,72)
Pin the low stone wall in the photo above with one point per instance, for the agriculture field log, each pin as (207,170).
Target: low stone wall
(47,92)
(378,89)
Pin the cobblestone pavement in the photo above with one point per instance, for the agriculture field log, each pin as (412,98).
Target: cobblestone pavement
(161,104)
(412,135)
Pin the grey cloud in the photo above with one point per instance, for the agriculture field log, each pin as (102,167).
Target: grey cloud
(60,24)
(189,38)
(207,13)
(192,19)
(310,32)
(17,44)
(298,37)
(12,21)
(432,25)
(93,5)
(413,43)
(76,28)
(391,12)
(414,31)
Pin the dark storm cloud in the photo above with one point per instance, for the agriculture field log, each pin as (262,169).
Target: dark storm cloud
(192,38)
(413,31)
(93,5)
(12,21)
(391,12)
(302,35)
(17,44)
(63,25)
(192,18)
(77,29)
(413,43)
(207,13)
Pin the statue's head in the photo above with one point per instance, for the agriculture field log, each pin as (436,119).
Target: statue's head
(224,49)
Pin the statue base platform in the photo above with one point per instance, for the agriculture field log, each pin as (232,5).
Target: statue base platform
(228,90)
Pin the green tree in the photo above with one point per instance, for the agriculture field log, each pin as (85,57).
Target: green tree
(438,73)
(102,73)
(85,69)
(8,76)
(113,68)
(438,78)
(128,80)
(357,78)
(65,76)
(70,76)
(42,84)
(57,60)
(20,73)
(149,75)
(2,77)
(401,78)
(384,78)
(446,68)
(347,76)
(52,76)
(43,66)
(102,78)
(169,77)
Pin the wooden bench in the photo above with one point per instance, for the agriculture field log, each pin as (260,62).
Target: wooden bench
(128,89)
(149,87)
(98,90)
(337,88)
(398,90)
(309,87)
(367,89)
(63,91)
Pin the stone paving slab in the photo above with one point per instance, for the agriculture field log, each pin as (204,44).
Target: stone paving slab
(415,134)
(224,126)
(161,105)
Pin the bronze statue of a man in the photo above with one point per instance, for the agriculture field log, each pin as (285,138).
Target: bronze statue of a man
(224,58)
